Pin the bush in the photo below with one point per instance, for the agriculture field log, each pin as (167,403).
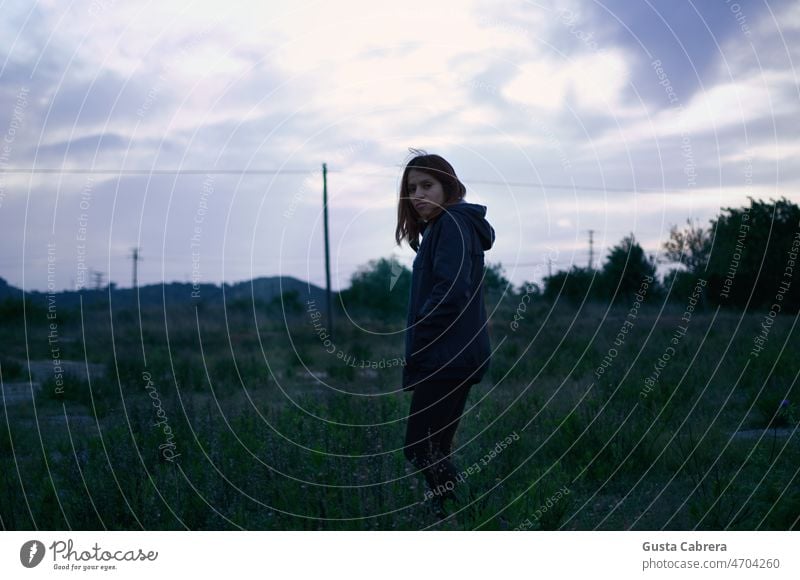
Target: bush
(74,389)
(11,370)
(382,288)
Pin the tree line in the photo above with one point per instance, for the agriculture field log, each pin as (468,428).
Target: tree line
(747,257)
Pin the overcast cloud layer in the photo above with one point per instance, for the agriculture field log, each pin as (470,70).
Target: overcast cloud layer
(622,117)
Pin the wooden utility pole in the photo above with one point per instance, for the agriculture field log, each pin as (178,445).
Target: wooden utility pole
(327,251)
(591,249)
(135,257)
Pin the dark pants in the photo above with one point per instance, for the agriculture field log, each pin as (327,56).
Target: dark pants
(436,409)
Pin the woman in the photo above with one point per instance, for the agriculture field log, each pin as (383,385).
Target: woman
(447,340)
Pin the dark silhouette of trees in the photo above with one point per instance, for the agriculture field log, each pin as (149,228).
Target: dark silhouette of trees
(494,279)
(747,254)
(381,288)
(625,268)
(575,285)
(754,252)
(689,246)
(747,250)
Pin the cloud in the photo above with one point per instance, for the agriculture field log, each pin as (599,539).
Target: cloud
(591,81)
(86,147)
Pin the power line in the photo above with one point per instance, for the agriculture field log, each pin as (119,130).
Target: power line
(569,187)
(243,171)
(111,171)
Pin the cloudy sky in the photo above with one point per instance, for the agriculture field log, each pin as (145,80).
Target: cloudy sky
(560,117)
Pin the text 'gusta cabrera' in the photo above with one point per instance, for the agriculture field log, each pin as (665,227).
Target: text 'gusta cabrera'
(684,547)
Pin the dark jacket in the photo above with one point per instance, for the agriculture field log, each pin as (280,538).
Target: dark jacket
(446,335)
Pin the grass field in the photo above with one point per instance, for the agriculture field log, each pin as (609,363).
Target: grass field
(224,419)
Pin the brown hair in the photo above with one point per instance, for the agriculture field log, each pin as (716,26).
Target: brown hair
(409,222)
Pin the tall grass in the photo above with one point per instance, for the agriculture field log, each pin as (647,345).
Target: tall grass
(273,431)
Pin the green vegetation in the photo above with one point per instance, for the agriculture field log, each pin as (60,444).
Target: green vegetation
(652,413)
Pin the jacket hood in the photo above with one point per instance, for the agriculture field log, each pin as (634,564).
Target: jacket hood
(476,214)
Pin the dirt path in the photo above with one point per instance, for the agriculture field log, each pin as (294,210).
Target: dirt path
(42,370)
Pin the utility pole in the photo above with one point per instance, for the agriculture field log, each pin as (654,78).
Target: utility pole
(135,257)
(327,252)
(98,279)
(591,249)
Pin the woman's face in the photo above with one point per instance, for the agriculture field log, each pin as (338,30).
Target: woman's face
(426,193)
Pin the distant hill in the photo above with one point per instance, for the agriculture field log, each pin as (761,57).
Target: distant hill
(269,288)
(263,290)
(7,291)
